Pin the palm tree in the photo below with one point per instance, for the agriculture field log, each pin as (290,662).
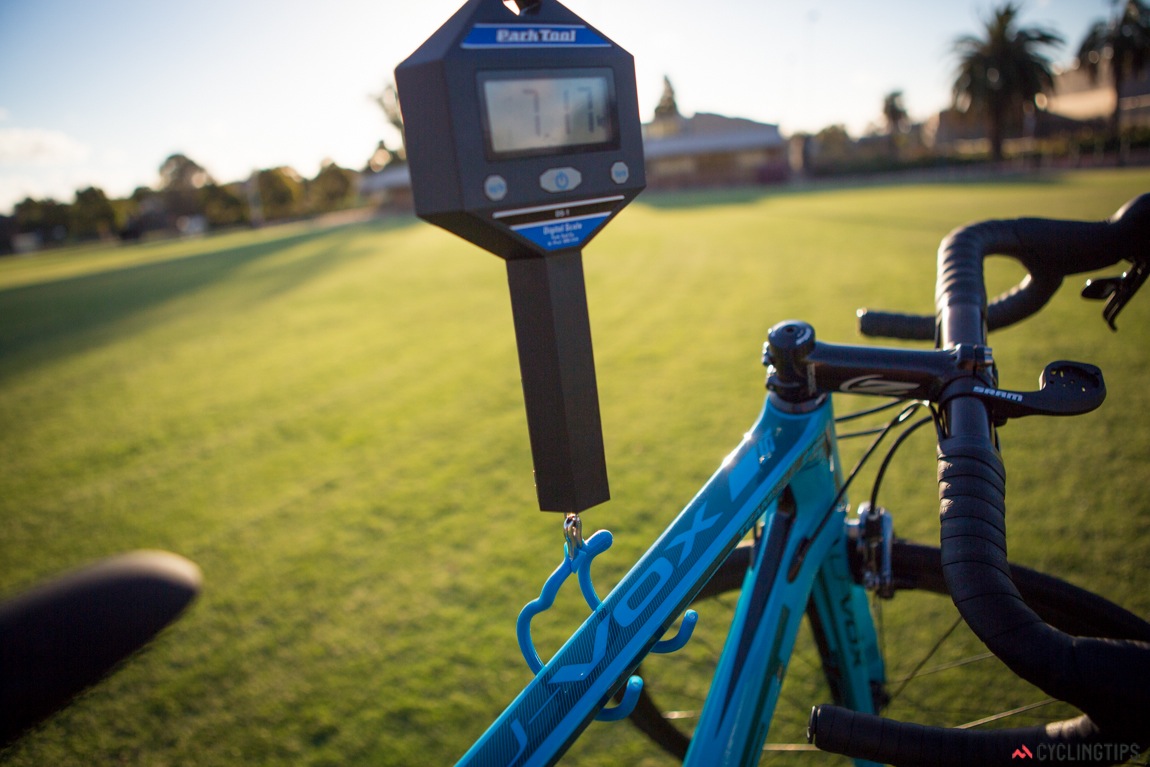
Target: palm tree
(1124,42)
(1000,73)
(894,112)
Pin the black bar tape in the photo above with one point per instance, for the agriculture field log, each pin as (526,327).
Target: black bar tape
(865,736)
(879,324)
(1108,679)
(1049,249)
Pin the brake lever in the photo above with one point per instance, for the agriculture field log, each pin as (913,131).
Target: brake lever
(1116,290)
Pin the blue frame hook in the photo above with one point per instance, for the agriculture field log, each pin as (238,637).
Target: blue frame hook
(578,555)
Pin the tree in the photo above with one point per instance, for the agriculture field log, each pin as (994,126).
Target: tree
(181,172)
(91,214)
(281,190)
(331,187)
(894,112)
(143,212)
(1124,42)
(222,206)
(46,218)
(832,148)
(388,101)
(1000,73)
(380,158)
(667,121)
(141,195)
(667,108)
(181,180)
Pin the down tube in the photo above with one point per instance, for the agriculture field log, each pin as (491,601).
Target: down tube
(800,557)
(539,725)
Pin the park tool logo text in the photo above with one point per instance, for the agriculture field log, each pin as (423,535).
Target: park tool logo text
(535,35)
(505,36)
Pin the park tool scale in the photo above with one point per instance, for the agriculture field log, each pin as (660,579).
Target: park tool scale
(522,130)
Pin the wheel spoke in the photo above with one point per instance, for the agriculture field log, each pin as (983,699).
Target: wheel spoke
(1005,714)
(922,637)
(930,653)
(946,666)
(790,747)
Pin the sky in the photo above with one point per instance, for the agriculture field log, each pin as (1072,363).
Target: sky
(100,93)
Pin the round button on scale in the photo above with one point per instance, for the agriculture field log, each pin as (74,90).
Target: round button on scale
(620,173)
(560,179)
(495,187)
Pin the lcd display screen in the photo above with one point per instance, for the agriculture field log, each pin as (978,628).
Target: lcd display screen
(532,114)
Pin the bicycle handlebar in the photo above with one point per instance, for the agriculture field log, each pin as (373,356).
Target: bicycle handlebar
(1049,249)
(908,745)
(1106,679)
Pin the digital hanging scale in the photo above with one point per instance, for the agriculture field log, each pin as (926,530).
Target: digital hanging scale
(523,137)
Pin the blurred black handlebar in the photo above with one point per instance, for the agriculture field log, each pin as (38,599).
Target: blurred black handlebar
(1049,249)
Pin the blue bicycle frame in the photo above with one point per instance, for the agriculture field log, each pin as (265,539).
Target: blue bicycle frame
(786,475)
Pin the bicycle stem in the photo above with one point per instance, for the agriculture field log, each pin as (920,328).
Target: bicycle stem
(961,379)
(801,368)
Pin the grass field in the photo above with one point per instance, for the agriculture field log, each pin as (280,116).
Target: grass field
(329,422)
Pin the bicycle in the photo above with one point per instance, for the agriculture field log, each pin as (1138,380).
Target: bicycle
(785,487)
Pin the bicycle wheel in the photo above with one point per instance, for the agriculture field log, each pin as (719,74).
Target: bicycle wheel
(978,690)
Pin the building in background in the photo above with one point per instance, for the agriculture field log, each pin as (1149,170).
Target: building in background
(709,150)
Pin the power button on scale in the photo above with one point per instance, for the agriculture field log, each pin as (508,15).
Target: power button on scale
(560,179)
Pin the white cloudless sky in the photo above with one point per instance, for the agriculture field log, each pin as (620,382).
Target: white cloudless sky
(100,93)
